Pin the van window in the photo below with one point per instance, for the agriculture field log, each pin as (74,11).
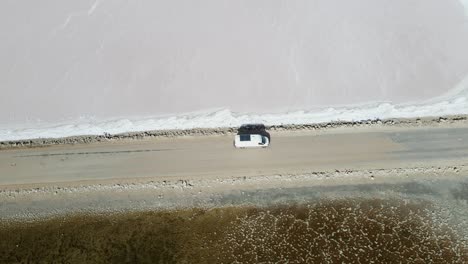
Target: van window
(263,140)
(244,137)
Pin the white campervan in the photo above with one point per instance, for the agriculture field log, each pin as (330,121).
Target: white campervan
(251,141)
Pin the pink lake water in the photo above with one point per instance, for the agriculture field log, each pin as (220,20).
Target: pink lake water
(108,59)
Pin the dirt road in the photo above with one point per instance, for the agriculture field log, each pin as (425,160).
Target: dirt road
(215,156)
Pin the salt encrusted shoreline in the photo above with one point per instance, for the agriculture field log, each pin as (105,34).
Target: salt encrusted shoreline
(86,139)
(114,197)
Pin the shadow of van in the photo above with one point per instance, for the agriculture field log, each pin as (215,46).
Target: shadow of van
(254,129)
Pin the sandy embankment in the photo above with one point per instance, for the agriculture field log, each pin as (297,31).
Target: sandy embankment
(26,202)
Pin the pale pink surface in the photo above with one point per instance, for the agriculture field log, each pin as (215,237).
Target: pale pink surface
(112,58)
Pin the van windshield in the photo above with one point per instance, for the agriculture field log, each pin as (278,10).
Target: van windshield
(264,140)
(244,137)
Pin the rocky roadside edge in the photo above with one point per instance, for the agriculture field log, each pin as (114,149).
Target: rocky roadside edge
(283,180)
(86,139)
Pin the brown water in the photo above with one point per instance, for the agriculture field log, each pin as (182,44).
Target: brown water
(339,231)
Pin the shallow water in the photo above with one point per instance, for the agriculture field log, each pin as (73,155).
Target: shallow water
(325,231)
